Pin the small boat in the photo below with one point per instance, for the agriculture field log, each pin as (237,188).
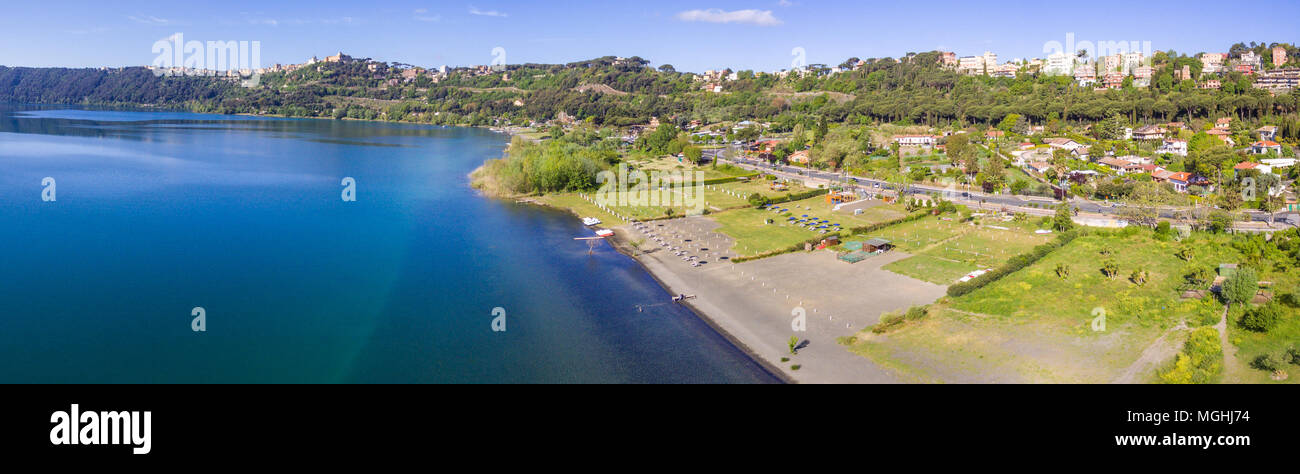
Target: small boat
(590,221)
(604,233)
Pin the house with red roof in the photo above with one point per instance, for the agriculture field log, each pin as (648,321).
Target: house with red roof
(1266,146)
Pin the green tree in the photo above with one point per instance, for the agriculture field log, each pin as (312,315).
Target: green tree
(1241,287)
(1062,221)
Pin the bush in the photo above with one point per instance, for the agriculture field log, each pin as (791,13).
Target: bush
(1163,232)
(1200,361)
(1267,362)
(888,322)
(1293,356)
(1261,319)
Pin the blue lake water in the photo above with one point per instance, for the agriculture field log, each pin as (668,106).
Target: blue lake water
(157,213)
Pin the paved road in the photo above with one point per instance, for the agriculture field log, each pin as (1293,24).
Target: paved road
(964,196)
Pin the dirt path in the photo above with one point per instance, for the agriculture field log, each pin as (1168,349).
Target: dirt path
(1160,350)
(1231,366)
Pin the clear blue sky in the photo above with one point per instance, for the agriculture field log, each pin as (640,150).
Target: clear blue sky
(694,36)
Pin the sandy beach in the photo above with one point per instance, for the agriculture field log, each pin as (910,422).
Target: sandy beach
(754,303)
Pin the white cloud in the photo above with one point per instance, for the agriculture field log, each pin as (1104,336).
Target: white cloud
(149,20)
(785,3)
(475,11)
(714,15)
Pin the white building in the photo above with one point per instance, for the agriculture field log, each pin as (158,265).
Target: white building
(1059,64)
(914,140)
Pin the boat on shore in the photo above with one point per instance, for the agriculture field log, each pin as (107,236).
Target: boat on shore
(590,221)
(604,233)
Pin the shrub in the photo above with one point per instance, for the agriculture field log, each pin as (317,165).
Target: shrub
(1110,269)
(1267,362)
(1140,276)
(1163,231)
(1261,319)
(888,322)
(1200,361)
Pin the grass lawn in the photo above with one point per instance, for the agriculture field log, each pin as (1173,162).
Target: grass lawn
(754,236)
(916,235)
(580,206)
(1250,344)
(932,269)
(946,251)
(1033,326)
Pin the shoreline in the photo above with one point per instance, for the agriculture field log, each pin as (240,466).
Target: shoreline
(620,245)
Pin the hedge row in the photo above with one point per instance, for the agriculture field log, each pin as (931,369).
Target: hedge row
(867,229)
(728,179)
(799,196)
(1013,265)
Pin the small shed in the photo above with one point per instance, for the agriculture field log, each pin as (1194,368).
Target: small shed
(877,245)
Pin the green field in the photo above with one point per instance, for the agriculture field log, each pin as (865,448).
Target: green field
(754,236)
(1034,326)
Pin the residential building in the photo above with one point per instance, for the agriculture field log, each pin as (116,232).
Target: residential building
(1211,84)
(1249,58)
(1006,70)
(1223,123)
(949,59)
(1267,132)
(1130,62)
(915,140)
(1112,63)
(990,59)
(970,65)
(1039,167)
(1120,166)
(1222,134)
(1149,132)
(1265,147)
(1063,144)
(1114,80)
(1180,181)
(1247,165)
(1212,63)
(1279,56)
(800,157)
(1059,64)
(1278,81)
(1085,75)
(1173,147)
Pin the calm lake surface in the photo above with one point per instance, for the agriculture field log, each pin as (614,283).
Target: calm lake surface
(157,213)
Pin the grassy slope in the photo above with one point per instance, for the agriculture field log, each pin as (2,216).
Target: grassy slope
(1033,326)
